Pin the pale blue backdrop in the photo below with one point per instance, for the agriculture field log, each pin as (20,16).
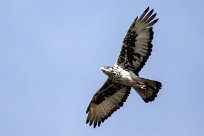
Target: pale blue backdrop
(51,52)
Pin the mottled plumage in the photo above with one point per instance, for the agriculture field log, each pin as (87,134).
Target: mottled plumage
(134,53)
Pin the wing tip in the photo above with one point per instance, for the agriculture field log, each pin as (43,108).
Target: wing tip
(146,10)
(156,19)
(151,11)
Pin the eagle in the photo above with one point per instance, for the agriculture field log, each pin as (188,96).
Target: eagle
(124,75)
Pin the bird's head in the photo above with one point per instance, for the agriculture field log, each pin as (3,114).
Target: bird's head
(110,71)
(107,70)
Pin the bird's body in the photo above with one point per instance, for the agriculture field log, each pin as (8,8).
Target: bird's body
(124,75)
(128,78)
(118,74)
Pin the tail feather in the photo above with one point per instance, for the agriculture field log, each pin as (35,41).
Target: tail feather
(148,89)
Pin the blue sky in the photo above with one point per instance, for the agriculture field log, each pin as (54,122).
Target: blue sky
(51,52)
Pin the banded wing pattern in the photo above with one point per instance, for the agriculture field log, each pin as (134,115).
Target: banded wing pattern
(108,99)
(137,45)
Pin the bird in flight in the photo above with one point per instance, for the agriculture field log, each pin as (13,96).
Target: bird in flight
(124,75)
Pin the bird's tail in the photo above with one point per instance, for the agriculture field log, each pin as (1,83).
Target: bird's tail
(147,89)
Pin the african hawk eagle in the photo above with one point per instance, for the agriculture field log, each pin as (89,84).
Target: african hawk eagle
(135,51)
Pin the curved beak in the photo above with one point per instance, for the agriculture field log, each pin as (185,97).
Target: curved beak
(103,69)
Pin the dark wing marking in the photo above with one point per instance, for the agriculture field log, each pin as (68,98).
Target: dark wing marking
(137,45)
(108,99)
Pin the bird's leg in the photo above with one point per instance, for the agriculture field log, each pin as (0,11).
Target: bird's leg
(144,86)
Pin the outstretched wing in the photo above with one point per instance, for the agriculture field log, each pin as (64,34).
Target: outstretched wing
(137,45)
(108,99)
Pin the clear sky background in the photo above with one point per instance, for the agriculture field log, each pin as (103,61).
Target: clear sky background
(51,52)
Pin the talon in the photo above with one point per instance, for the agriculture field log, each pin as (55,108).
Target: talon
(144,86)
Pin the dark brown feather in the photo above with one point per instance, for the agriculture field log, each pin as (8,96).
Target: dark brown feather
(106,101)
(137,44)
